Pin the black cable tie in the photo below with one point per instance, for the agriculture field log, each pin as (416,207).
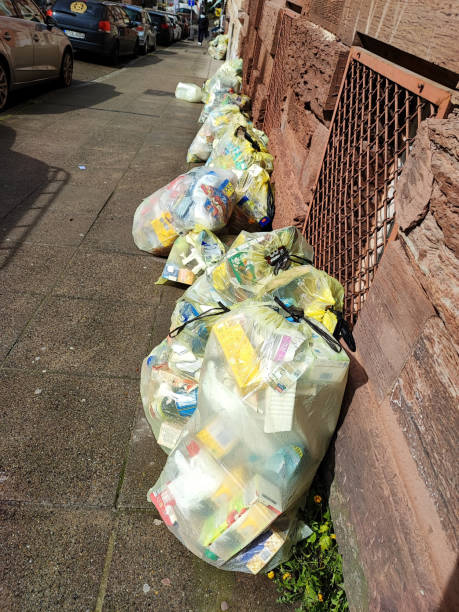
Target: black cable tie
(208,313)
(343,330)
(298,314)
(299,259)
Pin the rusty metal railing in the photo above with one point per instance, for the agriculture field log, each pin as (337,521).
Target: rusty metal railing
(352,216)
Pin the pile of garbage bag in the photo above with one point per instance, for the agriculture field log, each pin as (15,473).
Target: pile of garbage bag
(245,392)
(270,388)
(218,46)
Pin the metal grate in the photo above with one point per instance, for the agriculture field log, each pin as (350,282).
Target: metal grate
(352,216)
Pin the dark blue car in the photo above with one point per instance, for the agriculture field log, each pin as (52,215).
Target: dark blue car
(97,27)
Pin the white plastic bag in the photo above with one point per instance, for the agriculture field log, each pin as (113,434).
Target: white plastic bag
(188,92)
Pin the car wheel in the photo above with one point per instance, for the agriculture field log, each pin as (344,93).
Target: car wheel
(65,78)
(154,46)
(4,86)
(145,47)
(136,51)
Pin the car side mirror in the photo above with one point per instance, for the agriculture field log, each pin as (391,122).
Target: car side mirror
(50,22)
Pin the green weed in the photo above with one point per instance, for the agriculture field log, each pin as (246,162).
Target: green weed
(313,577)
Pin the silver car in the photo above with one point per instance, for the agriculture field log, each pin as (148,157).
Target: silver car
(32,48)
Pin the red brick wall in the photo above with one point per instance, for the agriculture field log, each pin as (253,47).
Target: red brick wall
(393,503)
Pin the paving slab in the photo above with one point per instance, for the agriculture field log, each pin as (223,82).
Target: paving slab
(32,268)
(112,233)
(145,461)
(102,157)
(146,554)
(51,559)
(62,196)
(64,439)
(131,191)
(42,226)
(92,176)
(97,275)
(15,312)
(95,337)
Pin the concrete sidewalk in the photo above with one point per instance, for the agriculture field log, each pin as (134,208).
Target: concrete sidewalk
(79,312)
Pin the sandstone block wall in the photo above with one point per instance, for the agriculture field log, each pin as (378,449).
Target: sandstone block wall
(393,496)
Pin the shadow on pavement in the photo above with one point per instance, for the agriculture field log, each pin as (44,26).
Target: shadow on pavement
(19,170)
(94,93)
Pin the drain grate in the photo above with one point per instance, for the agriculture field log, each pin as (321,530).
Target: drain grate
(352,216)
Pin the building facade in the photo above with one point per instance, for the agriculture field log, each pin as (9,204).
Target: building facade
(359,100)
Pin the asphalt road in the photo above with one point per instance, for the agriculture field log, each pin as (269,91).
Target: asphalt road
(86,68)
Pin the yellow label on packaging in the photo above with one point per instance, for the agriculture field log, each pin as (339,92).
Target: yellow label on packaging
(78,7)
(239,353)
(270,548)
(220,277)
(164,229)
(228,189)
(218,438)
(245,529)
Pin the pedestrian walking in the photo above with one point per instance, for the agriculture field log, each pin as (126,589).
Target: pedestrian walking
(203,28)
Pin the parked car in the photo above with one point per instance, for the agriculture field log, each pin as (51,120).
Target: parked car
(146,31)
(183,20)
(164,26)
(176,25)
(98,27)
(32,48)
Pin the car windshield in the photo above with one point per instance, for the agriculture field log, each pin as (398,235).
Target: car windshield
(133,14)
(93,9)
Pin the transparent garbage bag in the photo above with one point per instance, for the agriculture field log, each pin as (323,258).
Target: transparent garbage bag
(169,379)
(198,198)
(198,299)
(218,46)
(219,120)
(227,78)
(269,400)
(188,92)
(272,547)
(254,259)
(254,209)
(191,254)
(239,149)
(222,98)
(318,295)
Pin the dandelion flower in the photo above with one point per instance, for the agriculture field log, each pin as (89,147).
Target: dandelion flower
(333,537)
(270,575)
(320,597)
(286,576)
(317,499)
